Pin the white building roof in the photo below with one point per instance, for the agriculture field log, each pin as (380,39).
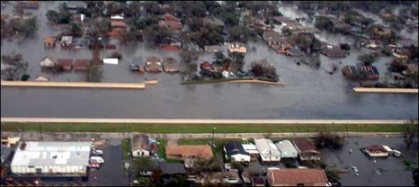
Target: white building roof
(287,149)
(52,153)
(113,61)
(266,146)
(250,148)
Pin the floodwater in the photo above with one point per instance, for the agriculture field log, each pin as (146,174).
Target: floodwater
(309,93)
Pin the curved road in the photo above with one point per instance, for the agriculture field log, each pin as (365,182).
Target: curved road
(195,121)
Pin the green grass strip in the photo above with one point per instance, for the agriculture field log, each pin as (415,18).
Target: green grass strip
(197,128)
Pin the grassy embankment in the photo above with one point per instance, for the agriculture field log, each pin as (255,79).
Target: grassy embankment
(126,148)
(196,128)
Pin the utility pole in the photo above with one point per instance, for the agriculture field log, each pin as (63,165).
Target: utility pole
(40,128)
(213,133)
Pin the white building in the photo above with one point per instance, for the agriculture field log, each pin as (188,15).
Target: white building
(287,149)
(50,158)
(237,47)
(48,62)
(267,150)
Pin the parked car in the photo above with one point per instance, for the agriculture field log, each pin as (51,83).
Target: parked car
(355,169)
(95,165)
(97,152)
(97,159)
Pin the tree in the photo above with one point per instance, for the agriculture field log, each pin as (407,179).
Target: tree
(75,29)
(94,72)
(286,31)
(142,164)
(195,24)
(24,26)
(99,27)
(368,59)
(333,175)
(156,34)
(18,9)
(131,37)
(62,7)
(151,7)
(189,56)
(237,61)
(208,35)
(326,139)
(219,57)
(142,23)
(53,16)
(133,9)
(241,34)
(14,65)
(262,69)
(415,174)
(410,131)
(324,23)
(114,8)
(229,18)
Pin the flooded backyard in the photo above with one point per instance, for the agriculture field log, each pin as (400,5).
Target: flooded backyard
(309,93)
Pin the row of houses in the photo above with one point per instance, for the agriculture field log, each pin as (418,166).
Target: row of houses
(49,62)
(155,65)
(268,151)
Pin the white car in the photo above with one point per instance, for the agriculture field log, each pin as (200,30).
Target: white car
(97,152)
(355,169)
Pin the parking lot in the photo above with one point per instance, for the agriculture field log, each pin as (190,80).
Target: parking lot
(391,170)
(111,173)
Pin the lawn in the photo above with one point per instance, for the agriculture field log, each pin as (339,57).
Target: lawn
(195,128)
(126,148)
(219,143)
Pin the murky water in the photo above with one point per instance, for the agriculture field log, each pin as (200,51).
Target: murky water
(309,93)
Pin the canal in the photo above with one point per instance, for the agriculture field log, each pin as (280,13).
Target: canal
(309,93)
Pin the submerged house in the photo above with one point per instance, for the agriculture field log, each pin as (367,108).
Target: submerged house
(335,52)
(376,151)
(237,47)
(153,65)
(212,48)
(361,72)
(50,41)
(65,64)
(306,149)
(136,63)
(293,52)
(170,65)
(48,62)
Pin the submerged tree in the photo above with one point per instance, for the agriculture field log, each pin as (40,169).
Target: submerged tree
(237,60)
(189,56)
(262,69)
(13,66)
(410,131)
(327,139)
(94,72)
(368,59)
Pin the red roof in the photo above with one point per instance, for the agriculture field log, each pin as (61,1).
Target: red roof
(376,149)
(167,47)
(293,177)
(304,145)
(110,46)
(64,62)
(169,17)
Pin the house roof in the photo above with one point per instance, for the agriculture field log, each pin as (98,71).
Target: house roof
(200,151)
(152,59)
(66,39)
(171,24)
(140,142)
(42,77)
(50,39)
(335,52)
(168,47)
(234,148)
(65,62)
(273,36)
(286,148)
(258,180)
(376,148)
(236,45)
(292,177)
(81,62)
(118,23)
(265,145)
(304,145)
(170,16)
(46,153)
(412,67)
(172,168)
(212,21)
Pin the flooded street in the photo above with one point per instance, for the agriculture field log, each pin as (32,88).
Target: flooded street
(309,93)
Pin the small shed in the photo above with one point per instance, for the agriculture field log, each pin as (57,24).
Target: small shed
(140,145)
(42,77)
(287,149)
(113,61)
